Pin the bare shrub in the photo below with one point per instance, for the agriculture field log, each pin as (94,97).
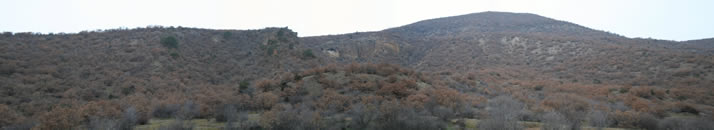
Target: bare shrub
(99,123)
(166,110)
(362,115)
(129,119)
(554,121)
(675,123)
(60,118)
(504,112)
(647,121)
(229,114)
(599,119)
(188,110)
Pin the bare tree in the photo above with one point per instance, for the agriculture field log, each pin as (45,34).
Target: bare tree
(554,121)
(504,112)
(230,116)
(129,119)
(98,123)
(362,116)
(599,119)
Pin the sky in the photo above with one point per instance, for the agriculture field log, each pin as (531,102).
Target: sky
(660,19)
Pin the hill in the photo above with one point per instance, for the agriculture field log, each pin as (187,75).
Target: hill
(561,50)
(486,70)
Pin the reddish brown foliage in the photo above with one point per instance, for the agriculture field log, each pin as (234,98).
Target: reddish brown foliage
(265,85)
(332,100)
(447,97)
(265,100)
(101,109)
(9,116)
(60,118)
(400,88)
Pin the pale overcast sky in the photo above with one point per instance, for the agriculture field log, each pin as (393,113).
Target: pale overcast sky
(660,19)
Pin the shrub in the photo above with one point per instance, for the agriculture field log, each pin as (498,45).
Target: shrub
(142,105)
(169,42)
(188,111)
(599,119)
(166,110)
(228,114)
(554,121)
(672,123)
(504,113)
(244,86)
(265,85)
(363,115)
(129,119)
(60,118)
(98,123)
(308,54)
(572,107)
(647,121)
(538,87)
(100,109)
(8,116)
(266,100)
(175,55)
(227,35)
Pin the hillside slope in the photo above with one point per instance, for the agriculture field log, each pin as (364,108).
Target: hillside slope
(561,50)
(487,70)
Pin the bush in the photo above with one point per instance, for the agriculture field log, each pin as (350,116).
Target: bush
(504,111)
(60,118)
(129,119)
(98,123)
(228,114)
(362,116)
(244,87)
(554,121)
(573,107)
(175,55)
(599,119)
(166,111)
(188,111)
(647,122)
(169,42)
(227,35)
(8,116)
(308,54)
(265,100)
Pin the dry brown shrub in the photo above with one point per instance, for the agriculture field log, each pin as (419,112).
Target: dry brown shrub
(362,84)
(101,108)
(265,85)
(142,104)
(642,91)
(417,100)
(269,119)
(626,119)
(332,100)
(637,103)
(447,97)
(63,118)
(399,89)
(210,98)
(265,100)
